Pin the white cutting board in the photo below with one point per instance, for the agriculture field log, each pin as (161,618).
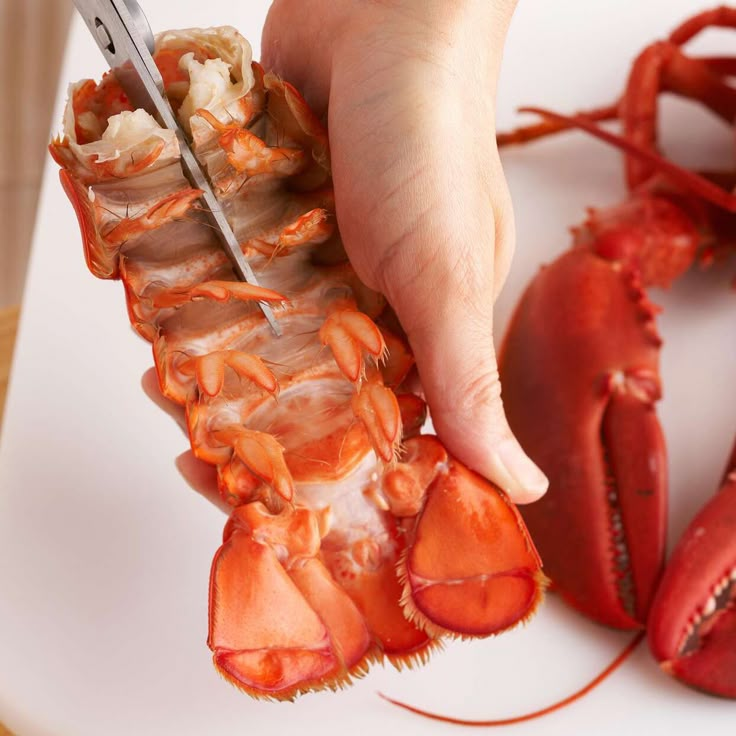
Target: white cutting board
(105,553)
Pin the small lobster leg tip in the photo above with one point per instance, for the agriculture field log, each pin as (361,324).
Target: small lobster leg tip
(171,208)
(210,372)
(378,408)
(252,368)
(310,228)
(211,120)
(250,155)
(264,456)
(470,568)
(349,334)
(224,290)
(346,352)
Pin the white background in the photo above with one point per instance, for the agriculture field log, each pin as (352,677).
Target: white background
(105,553)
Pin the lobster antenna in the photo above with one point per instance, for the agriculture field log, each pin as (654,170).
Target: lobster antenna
(694,182)
(527,133)
(620,659)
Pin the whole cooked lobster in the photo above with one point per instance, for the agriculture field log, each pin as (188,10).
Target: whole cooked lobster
(352,537)
(580,372)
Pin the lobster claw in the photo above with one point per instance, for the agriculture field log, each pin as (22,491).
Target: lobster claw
(692,623)
(579,368)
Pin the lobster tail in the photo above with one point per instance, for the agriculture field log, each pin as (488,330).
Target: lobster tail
(469,568)
(304,432)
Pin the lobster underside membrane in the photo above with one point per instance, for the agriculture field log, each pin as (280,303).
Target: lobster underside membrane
(352,537)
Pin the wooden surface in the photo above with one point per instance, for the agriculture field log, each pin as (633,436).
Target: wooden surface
(32,35)
(8,327)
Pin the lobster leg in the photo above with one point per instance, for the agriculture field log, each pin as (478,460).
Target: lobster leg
(470,568)
(723,17)
(547,127)
(692,624)
(662,67)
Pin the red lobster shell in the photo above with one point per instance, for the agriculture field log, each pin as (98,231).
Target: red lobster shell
(350,538)
(692,622)
(580,374)
(580,366)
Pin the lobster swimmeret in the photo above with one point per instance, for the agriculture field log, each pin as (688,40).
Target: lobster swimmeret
(351,536)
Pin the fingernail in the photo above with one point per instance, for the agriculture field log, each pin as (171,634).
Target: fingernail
(514,472)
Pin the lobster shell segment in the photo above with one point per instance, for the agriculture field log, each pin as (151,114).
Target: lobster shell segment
(579,368)
(278,620)
(692,623)
(469,569)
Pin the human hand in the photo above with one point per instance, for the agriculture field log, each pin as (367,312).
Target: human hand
(422,204)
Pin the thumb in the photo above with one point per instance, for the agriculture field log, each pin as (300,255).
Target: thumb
(459,373)
(445,303)
(424,215)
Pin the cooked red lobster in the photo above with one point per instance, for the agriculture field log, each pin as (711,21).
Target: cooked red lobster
(580,373)
(352,537)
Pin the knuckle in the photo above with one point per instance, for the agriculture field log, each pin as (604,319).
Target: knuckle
(479,391)
(407,268)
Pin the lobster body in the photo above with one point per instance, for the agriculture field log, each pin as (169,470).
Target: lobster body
(583,401)
(350,539)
